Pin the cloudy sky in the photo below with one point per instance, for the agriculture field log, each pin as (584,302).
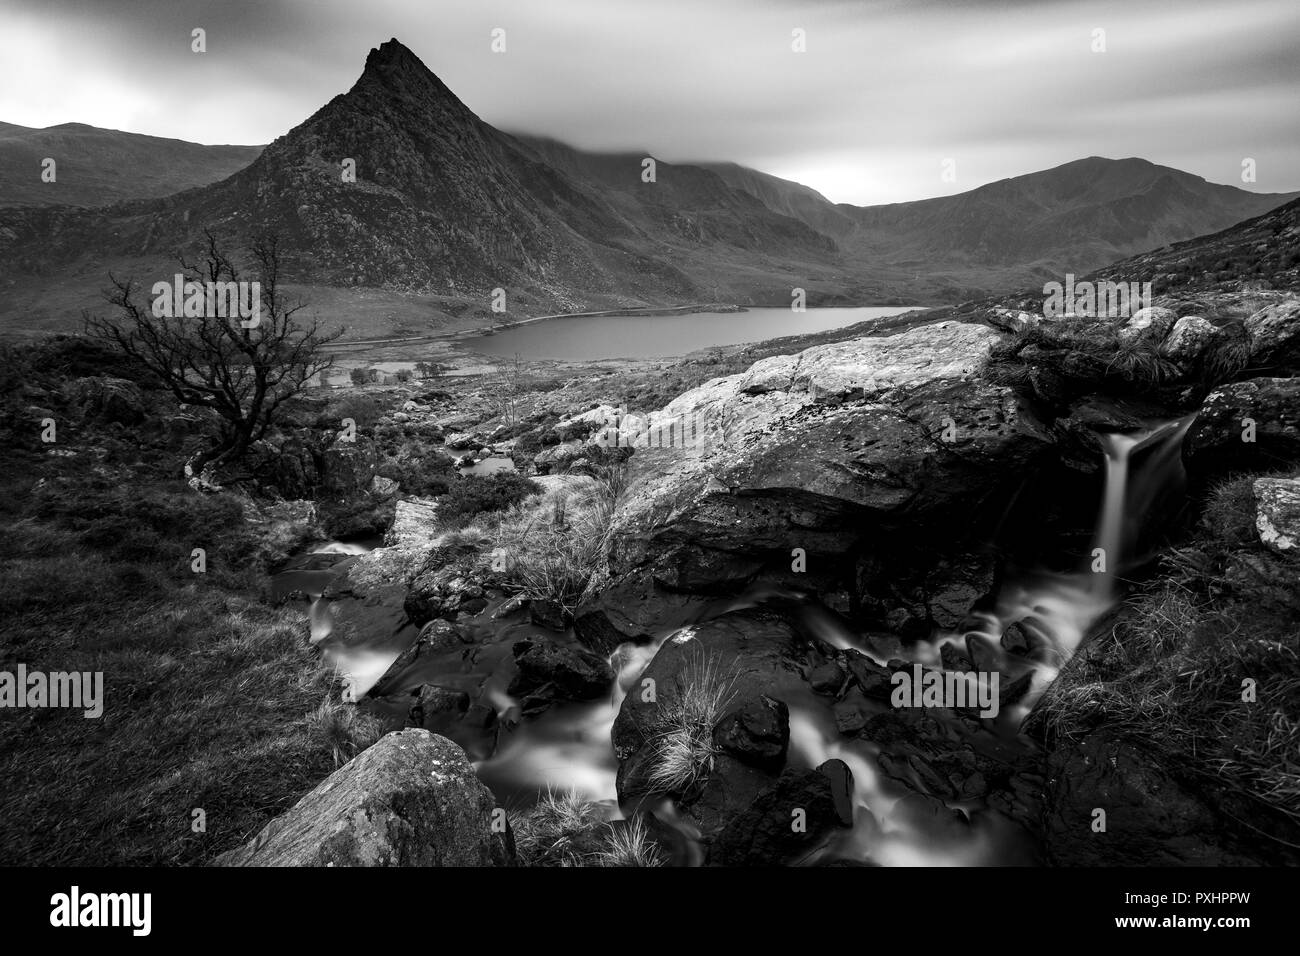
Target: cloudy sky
(885,92)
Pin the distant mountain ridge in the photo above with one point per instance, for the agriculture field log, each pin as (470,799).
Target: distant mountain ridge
(96,167)
(445,205)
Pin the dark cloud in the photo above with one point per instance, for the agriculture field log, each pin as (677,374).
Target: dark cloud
(884,93)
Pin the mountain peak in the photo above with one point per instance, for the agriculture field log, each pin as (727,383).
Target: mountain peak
(394,67)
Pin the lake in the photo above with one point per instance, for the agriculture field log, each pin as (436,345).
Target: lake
(658,336)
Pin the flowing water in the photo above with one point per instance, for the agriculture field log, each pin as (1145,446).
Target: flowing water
(568,747)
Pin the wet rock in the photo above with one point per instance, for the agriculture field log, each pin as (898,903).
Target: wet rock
(548,614)
(1015,639)
(596,632)
(785,823)
(826,678)
(872,679)
(757,733)
(411,799)
(1277,512)
(851,712)
(952,659)
(983,653)
(740,657)
(561,671)
(436,702)
(436,637)
(841,780)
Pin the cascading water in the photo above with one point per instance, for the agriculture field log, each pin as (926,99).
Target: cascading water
(568,747)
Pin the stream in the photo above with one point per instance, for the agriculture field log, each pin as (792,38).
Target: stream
(567,747)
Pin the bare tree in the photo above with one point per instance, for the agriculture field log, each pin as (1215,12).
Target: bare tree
(508,385)
(243,371)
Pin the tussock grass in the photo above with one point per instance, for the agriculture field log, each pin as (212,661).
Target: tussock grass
(1170,675)
(565,829)
(558,545)
(681,740)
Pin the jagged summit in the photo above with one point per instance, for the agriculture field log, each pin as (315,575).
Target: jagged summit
(392,64)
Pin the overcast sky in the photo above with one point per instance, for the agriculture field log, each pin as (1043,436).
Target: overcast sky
(885,92)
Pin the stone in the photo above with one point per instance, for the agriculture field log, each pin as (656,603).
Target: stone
(757,733)
(548,614)
(1277,512)
(1275,334)
(1151,324)
(1191,335)
(411,799)
(562,671)
(596,632)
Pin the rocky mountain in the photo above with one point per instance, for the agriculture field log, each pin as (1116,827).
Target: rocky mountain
(444,206)
(97,167)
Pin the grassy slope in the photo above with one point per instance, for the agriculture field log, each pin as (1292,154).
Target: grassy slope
(213,699)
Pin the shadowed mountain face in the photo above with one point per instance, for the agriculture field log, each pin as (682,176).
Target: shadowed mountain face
(96,167)
(445,205)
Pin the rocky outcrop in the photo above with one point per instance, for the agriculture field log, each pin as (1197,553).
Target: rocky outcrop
(409,800)
(1249,424)
(818,451)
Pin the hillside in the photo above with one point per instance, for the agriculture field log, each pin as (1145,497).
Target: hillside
(97,167)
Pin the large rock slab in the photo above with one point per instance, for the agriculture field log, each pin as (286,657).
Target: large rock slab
(812,450)
(409,800)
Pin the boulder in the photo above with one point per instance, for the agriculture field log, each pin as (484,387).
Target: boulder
(346,469)
(1151,324)
(1191,335)
(560,671)
(811,450)
(740,659)
(411,799)
(1249,424)
(108,399)
(596,632)
(415,522)
(1275,334)
(1277,512)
